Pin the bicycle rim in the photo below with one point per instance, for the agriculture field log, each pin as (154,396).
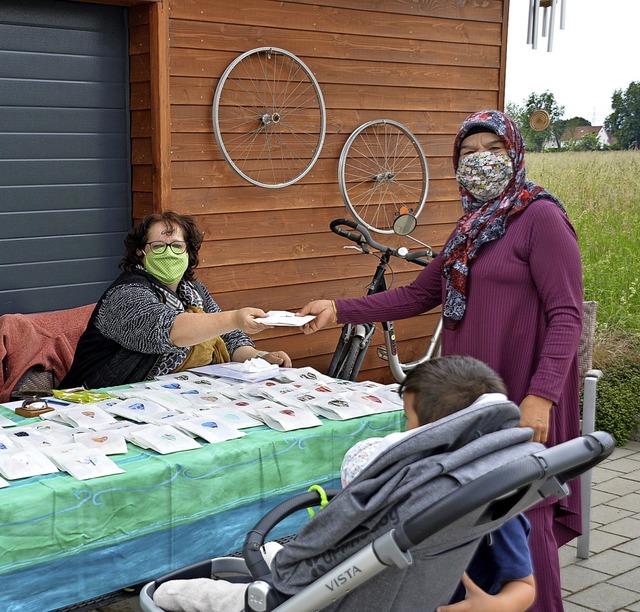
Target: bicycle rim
(382,173)
(269,117)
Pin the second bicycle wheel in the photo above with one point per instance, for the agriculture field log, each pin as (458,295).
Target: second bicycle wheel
(383,173)
(269,117)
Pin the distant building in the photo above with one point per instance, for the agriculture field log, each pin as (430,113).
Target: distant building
(573,134)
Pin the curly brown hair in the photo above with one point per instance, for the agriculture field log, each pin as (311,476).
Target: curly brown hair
(137,237)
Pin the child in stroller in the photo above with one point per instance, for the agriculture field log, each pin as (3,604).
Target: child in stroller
(499,576)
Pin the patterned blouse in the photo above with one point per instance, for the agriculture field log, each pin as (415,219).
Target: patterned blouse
(137,318)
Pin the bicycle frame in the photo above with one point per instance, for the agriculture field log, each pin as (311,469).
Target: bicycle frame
(355,339)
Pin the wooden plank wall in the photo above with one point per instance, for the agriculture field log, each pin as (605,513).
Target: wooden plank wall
(425,64)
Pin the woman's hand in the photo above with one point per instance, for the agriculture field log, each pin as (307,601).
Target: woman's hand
(245,320)
(242,353)
(324,311)
(279,358)
(534,413)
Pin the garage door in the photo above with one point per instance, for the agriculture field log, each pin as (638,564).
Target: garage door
(65,196)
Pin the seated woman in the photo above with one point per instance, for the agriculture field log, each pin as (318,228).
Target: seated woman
(156,318)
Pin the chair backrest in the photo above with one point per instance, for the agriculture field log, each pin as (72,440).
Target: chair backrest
(41,344)
(585,351)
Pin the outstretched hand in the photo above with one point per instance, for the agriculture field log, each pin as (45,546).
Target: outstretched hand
(324,313)
(245,320)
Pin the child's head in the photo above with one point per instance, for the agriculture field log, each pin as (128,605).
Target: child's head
(439,387)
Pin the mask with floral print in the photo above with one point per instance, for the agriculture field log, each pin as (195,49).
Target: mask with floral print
(485,174)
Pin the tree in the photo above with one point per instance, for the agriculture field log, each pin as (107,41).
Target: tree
(535,140)
(624,122)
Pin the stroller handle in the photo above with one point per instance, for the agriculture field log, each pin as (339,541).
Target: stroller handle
(251,549)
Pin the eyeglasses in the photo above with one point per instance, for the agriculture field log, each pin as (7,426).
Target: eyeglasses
(159,247)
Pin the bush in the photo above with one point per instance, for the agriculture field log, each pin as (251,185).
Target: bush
(617,399)
(599,190)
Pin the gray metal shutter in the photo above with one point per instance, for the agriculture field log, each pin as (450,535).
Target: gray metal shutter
(65,187)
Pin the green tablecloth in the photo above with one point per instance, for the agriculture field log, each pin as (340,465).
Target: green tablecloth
(63,540)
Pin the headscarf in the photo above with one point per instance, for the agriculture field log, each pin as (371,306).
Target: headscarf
(484,221)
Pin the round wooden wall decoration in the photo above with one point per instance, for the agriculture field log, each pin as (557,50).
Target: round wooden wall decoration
(539,120)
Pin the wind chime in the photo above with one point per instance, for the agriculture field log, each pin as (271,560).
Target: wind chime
(548,10)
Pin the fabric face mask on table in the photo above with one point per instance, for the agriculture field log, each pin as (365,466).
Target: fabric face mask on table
(167,267)
(485,174)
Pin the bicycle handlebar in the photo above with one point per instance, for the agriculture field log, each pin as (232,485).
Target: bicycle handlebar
(364,237)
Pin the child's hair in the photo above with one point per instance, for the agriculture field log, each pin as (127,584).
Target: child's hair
(446,385)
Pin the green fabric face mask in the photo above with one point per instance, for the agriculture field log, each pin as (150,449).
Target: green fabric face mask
(167,267)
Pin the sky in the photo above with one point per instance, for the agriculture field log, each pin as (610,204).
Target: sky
(594,55)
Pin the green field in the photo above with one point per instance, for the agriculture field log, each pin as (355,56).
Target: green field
(601,192)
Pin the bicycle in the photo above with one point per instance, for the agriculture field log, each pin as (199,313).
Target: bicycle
(355,339)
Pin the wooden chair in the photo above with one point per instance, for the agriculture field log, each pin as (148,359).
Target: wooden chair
(590,379)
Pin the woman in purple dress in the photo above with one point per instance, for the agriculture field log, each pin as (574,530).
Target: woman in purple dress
(510,283)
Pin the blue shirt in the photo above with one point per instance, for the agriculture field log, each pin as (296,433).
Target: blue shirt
(502,556)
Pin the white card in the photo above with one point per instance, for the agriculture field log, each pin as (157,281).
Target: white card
(107,442)
(163,439)
(235,418)
(303,375)
(241,371)
(278,393)
(40,435)
(82,462)
(198,380)
(209,428)
(284,318)
(341,408)
(283,418)
(24,463)
(86,415)
(8,442)
(251,407)
(166,399)
(389,393)
(137,410)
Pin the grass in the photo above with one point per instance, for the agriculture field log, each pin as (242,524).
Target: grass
(601,192)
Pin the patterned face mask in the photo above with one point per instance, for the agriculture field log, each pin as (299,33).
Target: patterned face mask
(485,174)
(167,267)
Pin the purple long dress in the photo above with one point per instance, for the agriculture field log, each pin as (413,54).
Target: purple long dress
(524,319)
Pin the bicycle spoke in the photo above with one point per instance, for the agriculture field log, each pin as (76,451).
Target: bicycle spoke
(269,117)
(382,172)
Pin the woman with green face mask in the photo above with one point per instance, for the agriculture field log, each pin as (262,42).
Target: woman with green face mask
(156,318)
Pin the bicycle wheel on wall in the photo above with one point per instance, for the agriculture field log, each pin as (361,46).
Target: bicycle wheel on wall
(269,117)
(382,173)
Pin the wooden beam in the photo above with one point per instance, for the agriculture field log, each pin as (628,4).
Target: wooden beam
(160,105)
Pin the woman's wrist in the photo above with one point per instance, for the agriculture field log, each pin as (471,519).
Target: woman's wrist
(261,354)
(334,310)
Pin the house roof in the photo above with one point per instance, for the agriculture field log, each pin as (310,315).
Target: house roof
(580,131)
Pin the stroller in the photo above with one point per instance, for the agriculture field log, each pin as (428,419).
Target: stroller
(419,510)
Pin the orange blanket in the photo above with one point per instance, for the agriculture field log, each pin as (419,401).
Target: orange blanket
(48,340)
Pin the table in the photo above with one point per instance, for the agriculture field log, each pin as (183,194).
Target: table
(64,541)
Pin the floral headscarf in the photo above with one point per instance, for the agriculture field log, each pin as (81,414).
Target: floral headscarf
(484,221)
